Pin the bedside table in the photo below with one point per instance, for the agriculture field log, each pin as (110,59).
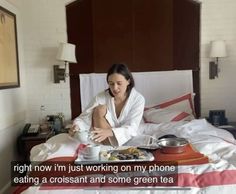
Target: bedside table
(231,127)
(25,143)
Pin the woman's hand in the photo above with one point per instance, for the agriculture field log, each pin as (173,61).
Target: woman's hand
(72,130)
(99,134)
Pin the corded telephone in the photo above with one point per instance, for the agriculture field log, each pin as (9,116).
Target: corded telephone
(217,117)
(30,130)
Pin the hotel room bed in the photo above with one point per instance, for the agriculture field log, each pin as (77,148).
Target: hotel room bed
(217,174)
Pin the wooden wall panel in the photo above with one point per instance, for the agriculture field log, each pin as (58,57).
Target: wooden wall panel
(153,35)
(186,36)
(79,29)
(186,41)
(112,33)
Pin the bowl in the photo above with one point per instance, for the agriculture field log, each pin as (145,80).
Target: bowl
(173,145)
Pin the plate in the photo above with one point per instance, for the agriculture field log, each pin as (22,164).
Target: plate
(120,155)
(149,147)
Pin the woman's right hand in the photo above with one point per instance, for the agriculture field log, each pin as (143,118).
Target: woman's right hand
(72,130)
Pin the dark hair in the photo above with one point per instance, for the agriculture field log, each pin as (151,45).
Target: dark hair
(123,70)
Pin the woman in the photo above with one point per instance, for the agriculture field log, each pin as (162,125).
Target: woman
(114,115)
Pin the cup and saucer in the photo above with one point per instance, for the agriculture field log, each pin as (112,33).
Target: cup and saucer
(90,152)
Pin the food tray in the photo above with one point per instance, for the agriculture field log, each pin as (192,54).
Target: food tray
(104,157)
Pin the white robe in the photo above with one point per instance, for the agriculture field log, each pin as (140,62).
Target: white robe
(125,126)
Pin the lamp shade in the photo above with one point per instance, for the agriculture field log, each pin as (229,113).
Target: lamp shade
(218,49)
(66,52)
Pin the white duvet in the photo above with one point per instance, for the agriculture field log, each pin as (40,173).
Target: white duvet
(218,144)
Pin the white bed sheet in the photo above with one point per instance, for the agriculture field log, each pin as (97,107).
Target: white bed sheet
(219,145)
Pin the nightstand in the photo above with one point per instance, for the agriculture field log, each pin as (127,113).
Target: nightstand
(25,143)
(231,127)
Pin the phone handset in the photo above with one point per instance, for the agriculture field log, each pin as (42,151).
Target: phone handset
(31,129)
(26,128)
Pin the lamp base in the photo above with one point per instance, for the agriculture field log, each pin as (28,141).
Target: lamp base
(213,70)
(59,74)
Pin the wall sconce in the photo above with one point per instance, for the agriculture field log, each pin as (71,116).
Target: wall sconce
(66,53)
(218,49)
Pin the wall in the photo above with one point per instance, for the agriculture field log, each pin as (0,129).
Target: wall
(12,111)
(41,26)
(44,26)
(218,20)
(43,32)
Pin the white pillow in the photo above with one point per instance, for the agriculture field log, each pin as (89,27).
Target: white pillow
(177,109)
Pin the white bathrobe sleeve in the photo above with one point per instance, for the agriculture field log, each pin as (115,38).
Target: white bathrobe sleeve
(132,118)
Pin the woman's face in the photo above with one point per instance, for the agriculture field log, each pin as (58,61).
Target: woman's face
(118,84)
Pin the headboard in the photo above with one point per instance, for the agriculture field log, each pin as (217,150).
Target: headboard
(156,86)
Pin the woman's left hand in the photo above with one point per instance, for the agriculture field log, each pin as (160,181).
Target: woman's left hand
(100,134)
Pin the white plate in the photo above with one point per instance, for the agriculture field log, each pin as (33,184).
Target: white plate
(81,160)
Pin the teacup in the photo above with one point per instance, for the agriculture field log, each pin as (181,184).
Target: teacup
(91,151)
(82,136)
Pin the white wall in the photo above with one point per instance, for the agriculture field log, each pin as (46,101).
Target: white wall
(218,21)
(44,24)
(12,111)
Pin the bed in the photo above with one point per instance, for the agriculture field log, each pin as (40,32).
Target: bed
(169,110)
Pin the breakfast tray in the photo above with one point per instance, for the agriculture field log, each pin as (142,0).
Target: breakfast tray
(104,157)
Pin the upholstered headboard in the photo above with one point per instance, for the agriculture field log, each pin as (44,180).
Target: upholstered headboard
(156,86)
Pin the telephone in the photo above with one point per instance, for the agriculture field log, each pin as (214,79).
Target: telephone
(217,117)
(30,130)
